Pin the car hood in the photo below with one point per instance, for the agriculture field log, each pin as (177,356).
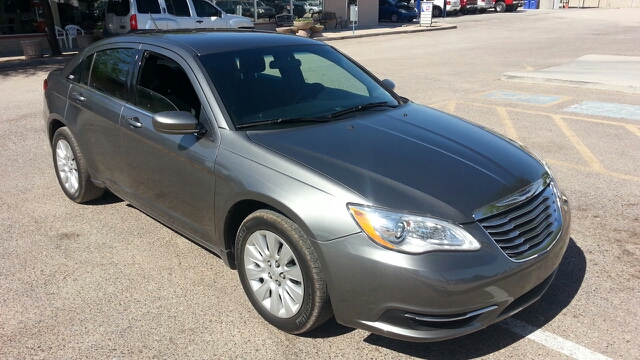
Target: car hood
(411,158)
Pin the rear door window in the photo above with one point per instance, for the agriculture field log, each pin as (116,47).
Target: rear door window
(178,7)
(110,71)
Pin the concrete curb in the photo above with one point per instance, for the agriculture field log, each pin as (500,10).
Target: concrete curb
(379,32)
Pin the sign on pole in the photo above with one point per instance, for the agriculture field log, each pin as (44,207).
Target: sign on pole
(426,10)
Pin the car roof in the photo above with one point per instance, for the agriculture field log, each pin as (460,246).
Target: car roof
(211,40)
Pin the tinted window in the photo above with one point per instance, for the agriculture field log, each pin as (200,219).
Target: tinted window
(80,74)
(118,7)
(110,70)
(178,7)
(205,8)
(164,86)
(148,6)
(290,82)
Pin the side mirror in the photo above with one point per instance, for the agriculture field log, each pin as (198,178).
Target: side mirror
(390,84)
(175,122)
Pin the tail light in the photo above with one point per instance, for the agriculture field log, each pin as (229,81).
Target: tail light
(45,84)
(133,22)
(448,2)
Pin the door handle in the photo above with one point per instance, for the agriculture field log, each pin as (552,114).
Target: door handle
(77,96)
(133,121)
(199,21)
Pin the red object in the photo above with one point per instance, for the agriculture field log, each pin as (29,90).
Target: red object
(133,22)
(45,84)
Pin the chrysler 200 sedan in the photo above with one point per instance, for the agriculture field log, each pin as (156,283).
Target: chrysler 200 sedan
(327,191)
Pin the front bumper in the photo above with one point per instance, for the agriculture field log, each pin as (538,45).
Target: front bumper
(433,296)
(407,16)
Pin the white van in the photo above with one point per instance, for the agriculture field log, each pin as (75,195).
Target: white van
(122,16)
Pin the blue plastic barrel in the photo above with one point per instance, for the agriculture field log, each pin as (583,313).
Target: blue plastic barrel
(534,4)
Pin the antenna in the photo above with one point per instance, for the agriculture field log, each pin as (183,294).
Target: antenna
(154,21)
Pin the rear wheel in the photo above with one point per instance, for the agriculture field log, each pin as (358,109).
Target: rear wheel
(437,11)
(280,273)
(394,17)
(500,7)
(71,169)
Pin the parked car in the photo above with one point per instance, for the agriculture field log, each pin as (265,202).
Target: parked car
(329,193)
(396,10)
(284,7)
(475,6)
(452,6)
(123,16)
(264,11)
(508,5)
(312,7)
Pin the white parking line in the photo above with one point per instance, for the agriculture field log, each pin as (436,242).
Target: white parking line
(552,341)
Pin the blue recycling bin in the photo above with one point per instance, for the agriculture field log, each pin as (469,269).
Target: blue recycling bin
(527,4)
(534,4)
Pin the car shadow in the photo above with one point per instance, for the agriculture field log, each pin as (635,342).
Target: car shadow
(107,198)
(496,337)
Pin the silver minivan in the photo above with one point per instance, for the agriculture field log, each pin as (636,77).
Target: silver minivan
(122,16)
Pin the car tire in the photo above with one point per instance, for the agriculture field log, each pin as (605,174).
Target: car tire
(436,12)
(280,273)
(71,169)
(394,18)
(500,7)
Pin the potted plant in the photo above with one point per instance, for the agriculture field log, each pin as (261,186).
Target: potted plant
(303,23)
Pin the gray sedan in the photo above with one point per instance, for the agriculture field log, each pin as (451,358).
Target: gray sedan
(328,192)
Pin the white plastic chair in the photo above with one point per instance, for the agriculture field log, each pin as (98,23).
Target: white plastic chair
(61,35)
(72,30)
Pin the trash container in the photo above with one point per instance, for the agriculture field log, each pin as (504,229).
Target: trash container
(527,4)
(32,49)
(534,4)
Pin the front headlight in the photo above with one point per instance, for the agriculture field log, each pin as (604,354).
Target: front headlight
(411,233)
(402,10)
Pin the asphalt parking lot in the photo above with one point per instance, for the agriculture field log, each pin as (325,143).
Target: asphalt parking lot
(106,281)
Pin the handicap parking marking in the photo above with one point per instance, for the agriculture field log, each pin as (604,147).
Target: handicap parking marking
(524,98)
(623,111)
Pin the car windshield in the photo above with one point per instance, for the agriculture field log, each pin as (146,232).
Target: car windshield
(310,82)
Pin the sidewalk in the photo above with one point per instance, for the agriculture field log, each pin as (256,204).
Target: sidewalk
(602,72)
(386,29)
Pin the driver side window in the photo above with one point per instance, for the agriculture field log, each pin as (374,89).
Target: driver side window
(164,86)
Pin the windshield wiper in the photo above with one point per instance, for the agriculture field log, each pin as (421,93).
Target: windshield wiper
(360,108)
(298,120)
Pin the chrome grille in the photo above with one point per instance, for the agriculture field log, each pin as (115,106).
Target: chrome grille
(527,228)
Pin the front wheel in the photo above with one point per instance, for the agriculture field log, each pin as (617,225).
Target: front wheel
(437,12)
(500,7)
(280,273)
(394,17)
(71,170)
